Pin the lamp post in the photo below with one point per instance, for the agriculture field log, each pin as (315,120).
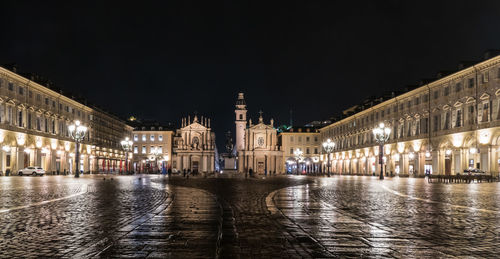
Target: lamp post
(156,154)
(127,147)
(77,133)
(381,134)
(328,146)
(298,157)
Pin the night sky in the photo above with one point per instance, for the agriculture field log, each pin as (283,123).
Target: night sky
(165,59)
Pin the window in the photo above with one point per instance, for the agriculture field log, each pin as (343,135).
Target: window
(29,120)
(458,122)
(382,113)
(160,149)
(426,98)
(291,151)
(425,125)
(144,149)
(136,138)
(436,94)
(446,91)
(485,116)
(53,104)
(67,108)
(241,116)
(316,139)
(60,106)
(46,101)
(315,150)
(143,137)
(9,115)
(20,119)
(417,101)
(446,121)
(300,138)
(485,77)
(160,137)
(21,90)
(408,105)
(11,86)
(471,82)
(152,137)
(458,87)
(38,126)
(46,124)
(307,151)
(307,139)
(136,150)
(38,97)
(471,114)
(435,124)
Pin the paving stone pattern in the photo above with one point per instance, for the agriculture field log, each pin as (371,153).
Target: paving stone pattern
(151,216)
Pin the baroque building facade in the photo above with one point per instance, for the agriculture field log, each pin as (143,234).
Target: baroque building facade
(194,146)
(257,145)
(442,127)
(34,122)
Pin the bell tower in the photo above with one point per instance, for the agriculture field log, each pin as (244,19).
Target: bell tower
(241,122)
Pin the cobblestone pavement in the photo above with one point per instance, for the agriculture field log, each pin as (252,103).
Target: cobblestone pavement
(126,216)
(354,216)
(278,217)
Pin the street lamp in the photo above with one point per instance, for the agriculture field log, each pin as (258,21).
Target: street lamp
(328,146)
(77,133)
(381,134)
(156,154)
(298,157)
(127,147)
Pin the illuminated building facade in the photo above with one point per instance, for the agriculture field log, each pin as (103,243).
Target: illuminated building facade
(194,146)
(442,127)
(34,123)
(152,148)
(307,141)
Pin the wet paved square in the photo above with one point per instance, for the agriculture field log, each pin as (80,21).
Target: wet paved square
(151,216)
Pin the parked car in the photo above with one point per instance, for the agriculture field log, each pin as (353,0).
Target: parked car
(31,170)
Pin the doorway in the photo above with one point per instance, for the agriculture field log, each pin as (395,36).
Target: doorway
(447,166)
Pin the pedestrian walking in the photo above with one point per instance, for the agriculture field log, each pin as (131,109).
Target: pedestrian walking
(184,173)
(169,172)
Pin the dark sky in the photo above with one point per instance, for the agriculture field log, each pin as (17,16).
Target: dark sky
(164,59)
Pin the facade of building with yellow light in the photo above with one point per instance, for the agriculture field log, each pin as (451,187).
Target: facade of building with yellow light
(152,148)
(34,122)
(307,141)
(442,127)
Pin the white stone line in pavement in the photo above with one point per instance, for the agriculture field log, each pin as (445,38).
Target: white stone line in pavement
(43,202)
(436,202)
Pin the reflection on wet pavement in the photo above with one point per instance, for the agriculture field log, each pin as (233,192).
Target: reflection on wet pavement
(354,216)
(157,217)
